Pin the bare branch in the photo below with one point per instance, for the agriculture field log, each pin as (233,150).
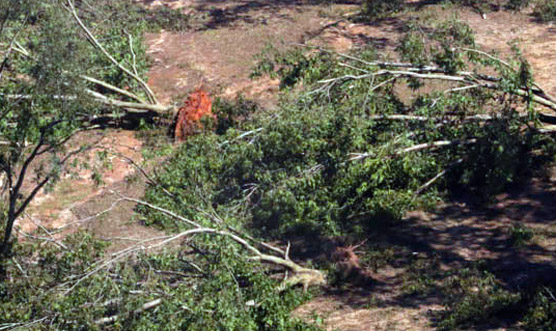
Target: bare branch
(304,276)
(419,147)
(95,42)
(113,88)
(435,178)
(131,107)
(114,318)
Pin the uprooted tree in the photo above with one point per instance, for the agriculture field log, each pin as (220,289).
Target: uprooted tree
(347,155)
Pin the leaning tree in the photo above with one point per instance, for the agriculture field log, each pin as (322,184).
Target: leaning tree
(58,79)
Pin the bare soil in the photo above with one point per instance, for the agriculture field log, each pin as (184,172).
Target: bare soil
(218,54)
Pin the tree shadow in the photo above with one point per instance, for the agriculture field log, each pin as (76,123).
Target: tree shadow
(464,235)
(460,235)
(222,13)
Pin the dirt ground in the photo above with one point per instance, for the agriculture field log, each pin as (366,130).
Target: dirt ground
(218,55)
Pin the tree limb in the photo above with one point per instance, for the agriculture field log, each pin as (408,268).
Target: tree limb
(112,88)
(95,42)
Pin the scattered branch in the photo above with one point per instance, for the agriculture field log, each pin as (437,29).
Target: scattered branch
(71,8)
(113,88)
(114,318)
(435,178)
(301,275)
(419,147)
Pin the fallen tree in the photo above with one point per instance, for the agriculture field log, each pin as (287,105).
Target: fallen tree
(48,94)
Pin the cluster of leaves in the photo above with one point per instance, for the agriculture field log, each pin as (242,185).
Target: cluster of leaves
(292,66)
(295,170)
(439,43)
(545,11)
(380,8)
(520,235)
(542,310)
(474,296)
(45,288)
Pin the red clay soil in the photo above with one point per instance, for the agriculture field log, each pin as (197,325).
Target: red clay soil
(220,55)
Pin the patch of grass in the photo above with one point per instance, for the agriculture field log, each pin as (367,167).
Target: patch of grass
(521,235)
(380,8)
(420,277)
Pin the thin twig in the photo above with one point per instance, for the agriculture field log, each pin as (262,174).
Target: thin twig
(133,57)
(435,178)
(419,147)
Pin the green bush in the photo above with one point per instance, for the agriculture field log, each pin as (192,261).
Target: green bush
(520,234)
(542,311)
(472,297)
(545,10)
(517,4)
(380,8)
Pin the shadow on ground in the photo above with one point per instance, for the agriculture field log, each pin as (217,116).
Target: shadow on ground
(460,235)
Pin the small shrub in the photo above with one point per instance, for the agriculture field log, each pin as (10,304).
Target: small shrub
(380,8)
(520,235)
(166,18)
(517,4)
(474,296)
(545,10)
(542,313)
(230,114)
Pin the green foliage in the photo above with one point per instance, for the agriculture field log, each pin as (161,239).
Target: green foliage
(517,4)
(49,100)
(520,234)
(545,10)
(502,158)
(474,296)
(542,311)
(291,174)
(439,43)
(230,114)
(128,15)
(296,172)
(47,281)
(291,66)
(43,96)
(380,8)
(165,18)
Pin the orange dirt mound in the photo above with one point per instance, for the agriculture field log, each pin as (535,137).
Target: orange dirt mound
(349,265)
(197,106)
